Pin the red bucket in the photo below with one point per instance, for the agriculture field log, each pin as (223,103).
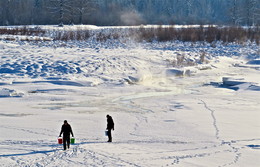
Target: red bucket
(60,140)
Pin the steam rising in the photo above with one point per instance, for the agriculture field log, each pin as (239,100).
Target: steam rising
(131,18)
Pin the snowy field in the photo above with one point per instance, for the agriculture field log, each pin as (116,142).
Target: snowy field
(165,114)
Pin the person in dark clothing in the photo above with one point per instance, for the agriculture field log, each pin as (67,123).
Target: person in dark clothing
(110,126)
(66,130)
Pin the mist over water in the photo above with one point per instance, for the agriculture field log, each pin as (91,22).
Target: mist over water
(131,18)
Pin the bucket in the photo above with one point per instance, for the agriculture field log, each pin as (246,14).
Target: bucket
(72,140)
(60,140)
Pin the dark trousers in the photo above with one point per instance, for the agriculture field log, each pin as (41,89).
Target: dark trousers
(66,141)
(109,135)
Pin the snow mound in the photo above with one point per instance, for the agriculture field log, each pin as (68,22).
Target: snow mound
(204,67)
(2,46)
(4,92)
(139,78)
(24,38)
(178,72)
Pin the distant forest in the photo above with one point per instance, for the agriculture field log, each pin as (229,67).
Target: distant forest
(129,12)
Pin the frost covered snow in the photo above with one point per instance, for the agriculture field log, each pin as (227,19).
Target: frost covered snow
(165,114)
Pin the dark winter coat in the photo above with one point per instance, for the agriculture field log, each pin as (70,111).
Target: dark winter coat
(110,123)
(66,130)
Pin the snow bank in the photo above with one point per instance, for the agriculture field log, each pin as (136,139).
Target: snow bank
(4,92)
(204,67)
(24,38)
(142,77)
(178,72)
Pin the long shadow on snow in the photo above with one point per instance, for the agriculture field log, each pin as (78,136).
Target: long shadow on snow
(68,83)
(29,153)
(235,87)
(254,146)
(47,151)
(30,143)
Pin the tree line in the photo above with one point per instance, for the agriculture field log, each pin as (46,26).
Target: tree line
(129,12)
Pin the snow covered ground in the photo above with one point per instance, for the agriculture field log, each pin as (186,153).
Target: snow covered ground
(165,114)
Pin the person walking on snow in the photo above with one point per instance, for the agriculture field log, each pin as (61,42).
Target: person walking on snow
(110,126)
(66,130)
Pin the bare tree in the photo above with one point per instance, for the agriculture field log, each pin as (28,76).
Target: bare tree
(251,12)
(5,12)
(84,8)
(60,8)
(235,12)
(35,11)
(188,5)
